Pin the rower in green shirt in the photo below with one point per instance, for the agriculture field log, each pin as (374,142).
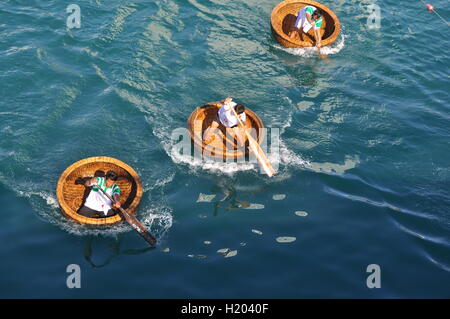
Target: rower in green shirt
(307,18)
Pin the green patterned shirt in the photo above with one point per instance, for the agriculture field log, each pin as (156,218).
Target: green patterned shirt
(318,22)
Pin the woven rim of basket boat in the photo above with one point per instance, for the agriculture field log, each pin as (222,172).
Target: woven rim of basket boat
(291,7)
(220,154)
(86,167)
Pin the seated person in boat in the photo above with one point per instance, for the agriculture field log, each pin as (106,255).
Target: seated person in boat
(307,18)
(225,116)
(97,204)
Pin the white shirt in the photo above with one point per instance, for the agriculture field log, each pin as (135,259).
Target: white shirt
(226,115)
(97,200)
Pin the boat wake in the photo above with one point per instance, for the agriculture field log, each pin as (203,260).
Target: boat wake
(283,161)
(312,51)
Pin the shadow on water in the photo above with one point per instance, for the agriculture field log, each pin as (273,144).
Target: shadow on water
(302,70)
(229,202)
(115,252)
(230,191)
(308,76)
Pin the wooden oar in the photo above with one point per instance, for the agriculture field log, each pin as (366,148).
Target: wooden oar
(323,56)
(256,148)
(133,221)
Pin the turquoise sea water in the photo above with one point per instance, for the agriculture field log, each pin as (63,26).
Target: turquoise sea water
(364,150)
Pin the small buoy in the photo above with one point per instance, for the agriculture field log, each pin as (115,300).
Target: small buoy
(430,7)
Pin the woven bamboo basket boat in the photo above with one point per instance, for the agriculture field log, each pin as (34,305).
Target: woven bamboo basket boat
(283,18)
(224,147)
(71,196)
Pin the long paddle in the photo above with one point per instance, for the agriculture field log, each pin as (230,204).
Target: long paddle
(256,148)
(133,221)
(323,56)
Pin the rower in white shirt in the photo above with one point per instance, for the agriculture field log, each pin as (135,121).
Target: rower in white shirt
(225,117)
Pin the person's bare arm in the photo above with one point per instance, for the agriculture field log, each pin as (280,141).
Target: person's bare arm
(223,102)
(90,182)
(309,18)
(318,37)
(227,100)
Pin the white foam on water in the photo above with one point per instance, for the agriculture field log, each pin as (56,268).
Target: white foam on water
(50,199)
(158,221)
(289,158)
(199,164)
(312,51)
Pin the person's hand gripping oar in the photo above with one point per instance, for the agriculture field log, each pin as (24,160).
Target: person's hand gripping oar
(132,220)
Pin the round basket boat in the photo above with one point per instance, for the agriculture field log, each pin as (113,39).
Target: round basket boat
(71,195)
(283,18)
(224,147)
